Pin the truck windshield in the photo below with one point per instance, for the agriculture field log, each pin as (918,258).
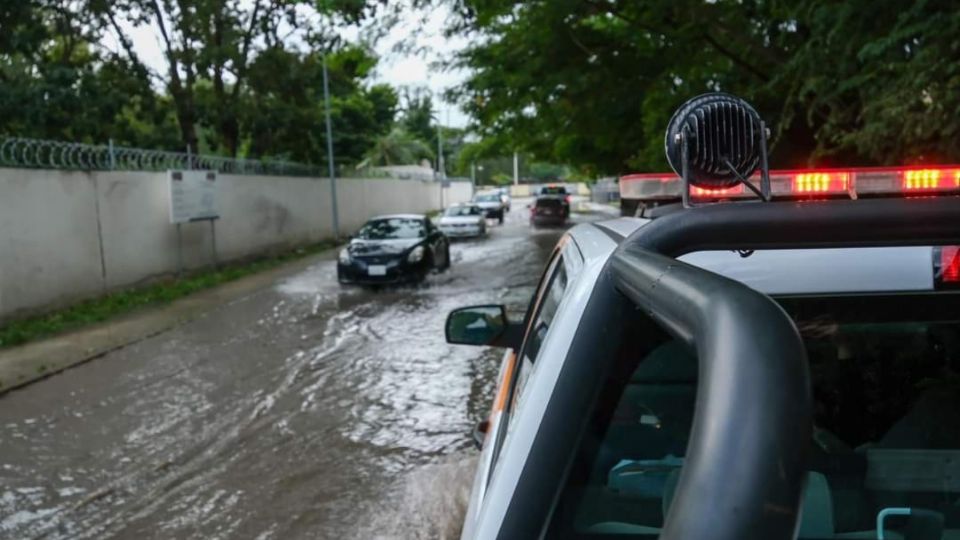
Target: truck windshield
(886,387)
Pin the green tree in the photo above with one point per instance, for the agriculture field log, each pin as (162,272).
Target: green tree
(56,82)
(241,78)
(397,148)
(418,115)
(284,110)
(592,83)
(208,47)
(883,88)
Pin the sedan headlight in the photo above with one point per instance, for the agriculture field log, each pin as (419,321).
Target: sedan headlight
(416,255)
(344,256)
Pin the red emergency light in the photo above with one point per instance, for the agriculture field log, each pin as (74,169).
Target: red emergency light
(947,265)
(717,193)
(930,179)
(812,184)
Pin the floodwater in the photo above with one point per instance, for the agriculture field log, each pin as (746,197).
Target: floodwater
(305,410)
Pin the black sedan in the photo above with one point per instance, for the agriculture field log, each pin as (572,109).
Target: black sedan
(549,211)
(393,249)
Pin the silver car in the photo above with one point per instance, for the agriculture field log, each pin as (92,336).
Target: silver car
(463,220)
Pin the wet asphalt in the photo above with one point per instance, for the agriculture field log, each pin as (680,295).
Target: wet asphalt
(305,410)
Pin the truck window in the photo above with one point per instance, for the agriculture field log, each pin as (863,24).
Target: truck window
(886,387)
(547,309)
(544,308)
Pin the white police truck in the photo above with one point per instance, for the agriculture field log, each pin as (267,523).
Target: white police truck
(781,367)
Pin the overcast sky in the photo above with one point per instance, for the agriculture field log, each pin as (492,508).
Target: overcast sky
(397,69)
(417,69)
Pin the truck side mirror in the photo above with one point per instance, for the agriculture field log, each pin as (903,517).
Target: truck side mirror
(482,325)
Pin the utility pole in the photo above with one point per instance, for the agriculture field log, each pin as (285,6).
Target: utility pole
(516,169)
(441,173)
(333,179)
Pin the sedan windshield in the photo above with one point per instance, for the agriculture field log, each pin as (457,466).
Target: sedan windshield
(487,198)
(392,229)
(460,211)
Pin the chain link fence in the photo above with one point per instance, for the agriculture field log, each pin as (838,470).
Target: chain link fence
(43,154)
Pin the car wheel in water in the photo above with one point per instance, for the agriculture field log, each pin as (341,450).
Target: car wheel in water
(446,257)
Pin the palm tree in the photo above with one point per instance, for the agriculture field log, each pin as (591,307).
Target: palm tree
(396,148)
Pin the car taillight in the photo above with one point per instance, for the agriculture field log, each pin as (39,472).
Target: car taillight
(946,266)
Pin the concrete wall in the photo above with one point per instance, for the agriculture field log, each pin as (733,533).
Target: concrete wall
(49,247)
(458,192)
(70,235)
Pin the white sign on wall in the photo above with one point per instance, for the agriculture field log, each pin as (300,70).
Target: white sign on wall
(193,195)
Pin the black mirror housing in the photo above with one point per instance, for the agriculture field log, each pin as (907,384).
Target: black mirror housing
(485,325)
(476,325)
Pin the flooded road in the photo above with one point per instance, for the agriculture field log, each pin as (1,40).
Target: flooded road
(305,410)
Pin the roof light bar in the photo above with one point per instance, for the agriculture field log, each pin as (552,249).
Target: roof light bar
(800,184)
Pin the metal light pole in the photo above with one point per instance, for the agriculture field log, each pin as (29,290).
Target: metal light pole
(441,172)
(516,169)
(333,179)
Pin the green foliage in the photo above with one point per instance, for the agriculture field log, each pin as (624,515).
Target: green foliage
(55,83)
(283,114)
(884,88)
(592,84)
(501,179)
(241,77)
(397,148)
(418,115)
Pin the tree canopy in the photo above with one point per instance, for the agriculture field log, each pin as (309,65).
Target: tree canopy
(241,78)
(592,83)
(586,84)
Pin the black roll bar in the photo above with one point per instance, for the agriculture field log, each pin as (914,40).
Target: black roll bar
(745,464)
(744,469)
(803,224)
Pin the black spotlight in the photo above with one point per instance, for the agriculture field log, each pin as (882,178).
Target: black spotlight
(717,141)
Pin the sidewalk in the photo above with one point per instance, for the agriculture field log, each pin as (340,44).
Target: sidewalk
(27,363)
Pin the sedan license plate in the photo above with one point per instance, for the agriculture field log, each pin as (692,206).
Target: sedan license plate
(547,211)
(377,270)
